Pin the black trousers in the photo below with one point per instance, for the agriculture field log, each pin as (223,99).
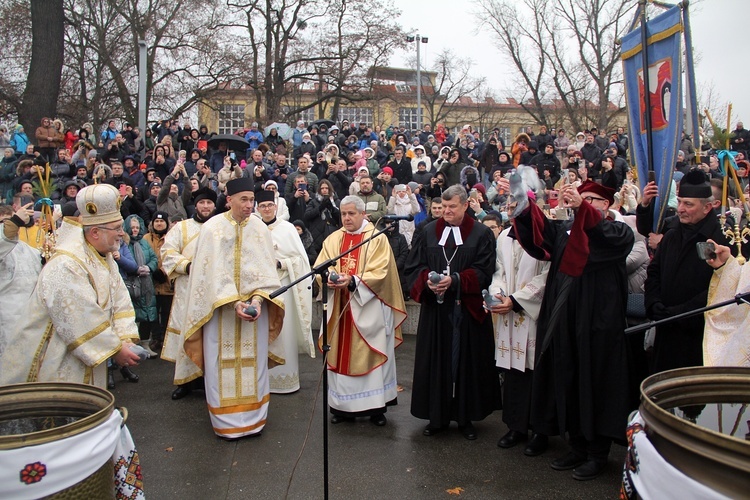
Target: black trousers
(517,399)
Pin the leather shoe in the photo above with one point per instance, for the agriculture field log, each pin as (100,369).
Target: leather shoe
(511,439)
(536,445)
(378,420)
(569,461)
(589,470)
(181,391)
(337,419)
(128,375)
(431,431)
(469,431)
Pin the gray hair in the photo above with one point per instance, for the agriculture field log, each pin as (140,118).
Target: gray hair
(456,190)
(353,200)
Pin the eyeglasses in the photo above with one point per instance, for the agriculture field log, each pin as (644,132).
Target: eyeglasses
(269,206)
(117,229)
(592,198)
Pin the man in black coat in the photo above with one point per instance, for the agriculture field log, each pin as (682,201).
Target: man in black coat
(401,167)
(543,138)
(581,376)
(677,279)
(547,165)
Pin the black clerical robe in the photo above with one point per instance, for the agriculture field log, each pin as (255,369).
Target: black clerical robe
(453,334)
(581,379)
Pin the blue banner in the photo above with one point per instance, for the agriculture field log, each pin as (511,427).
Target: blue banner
(664,56)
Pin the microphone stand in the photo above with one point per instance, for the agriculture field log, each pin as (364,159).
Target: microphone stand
(740,298)
(322,270)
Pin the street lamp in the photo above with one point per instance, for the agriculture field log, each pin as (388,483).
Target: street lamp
(418,39)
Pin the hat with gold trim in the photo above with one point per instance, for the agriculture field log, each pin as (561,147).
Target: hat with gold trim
(99,204)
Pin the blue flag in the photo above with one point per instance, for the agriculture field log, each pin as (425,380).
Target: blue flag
(664,56)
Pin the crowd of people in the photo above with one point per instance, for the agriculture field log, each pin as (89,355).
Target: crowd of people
(525,259)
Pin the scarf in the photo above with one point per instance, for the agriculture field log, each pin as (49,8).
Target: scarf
(147,286)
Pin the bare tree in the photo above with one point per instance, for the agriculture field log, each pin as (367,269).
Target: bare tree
(563,51)
(454,82)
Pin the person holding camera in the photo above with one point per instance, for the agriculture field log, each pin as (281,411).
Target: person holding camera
(677,281)
(169,199)
(229,171)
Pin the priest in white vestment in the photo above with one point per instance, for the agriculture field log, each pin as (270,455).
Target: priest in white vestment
(518,284)
(232,326)
(365,311)
(291,263)
(80,312)
(726,339)
(177,254)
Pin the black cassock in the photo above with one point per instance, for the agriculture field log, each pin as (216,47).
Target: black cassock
(581,381)
(477,388)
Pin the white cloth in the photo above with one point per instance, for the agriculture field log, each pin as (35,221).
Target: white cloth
(726,340)
(378,387)
(61,464)
(19,269)
(523,277)
(456,236)
(652,476)
(296,333)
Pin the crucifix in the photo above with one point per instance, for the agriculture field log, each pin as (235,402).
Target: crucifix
(518,350)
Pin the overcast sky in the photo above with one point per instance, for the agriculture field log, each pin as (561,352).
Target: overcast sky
(720,32)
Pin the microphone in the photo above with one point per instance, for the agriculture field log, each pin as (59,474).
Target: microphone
(251,311)
(398,217)
(435,279)
(333,276)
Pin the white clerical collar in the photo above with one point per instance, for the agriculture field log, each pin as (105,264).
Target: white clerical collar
(359,231)
(456,235)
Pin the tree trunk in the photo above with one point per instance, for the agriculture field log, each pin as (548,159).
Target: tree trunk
(45,70)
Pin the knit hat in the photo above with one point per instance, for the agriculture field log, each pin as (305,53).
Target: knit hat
(161,215)
(387,170)
(99,204)
(271,182)
(204,193)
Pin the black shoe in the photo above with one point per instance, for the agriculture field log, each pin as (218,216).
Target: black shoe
(431,431)
(469,431)
(569,461)
(536,445)
(181,391)
(337,419)
(589,470)
(378,420)
(128,375)
(110,380)
(511,439)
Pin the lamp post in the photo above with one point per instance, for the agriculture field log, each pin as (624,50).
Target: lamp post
(142,81)
(419,39)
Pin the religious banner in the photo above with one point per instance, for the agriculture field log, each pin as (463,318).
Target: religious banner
(664,64)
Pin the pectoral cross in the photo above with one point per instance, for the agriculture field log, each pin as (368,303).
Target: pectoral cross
(518,350)
(502,349)
(447,270)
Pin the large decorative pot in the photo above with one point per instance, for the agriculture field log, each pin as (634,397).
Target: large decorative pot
(57,439)
(696,419)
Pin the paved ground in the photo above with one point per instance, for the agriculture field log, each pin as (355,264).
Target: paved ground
(182,458)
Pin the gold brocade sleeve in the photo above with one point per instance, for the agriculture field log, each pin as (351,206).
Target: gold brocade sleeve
(74,308)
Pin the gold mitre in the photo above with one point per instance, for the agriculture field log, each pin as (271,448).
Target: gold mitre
(99,204)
